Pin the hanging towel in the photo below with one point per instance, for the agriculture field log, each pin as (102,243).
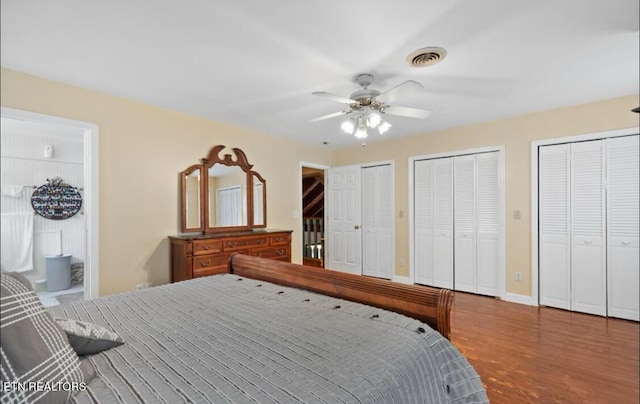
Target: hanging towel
(16,252)
(14,191)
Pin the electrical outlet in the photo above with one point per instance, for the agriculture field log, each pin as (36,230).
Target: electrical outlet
(401,262)
(518,276)
(517,214)
(139,286)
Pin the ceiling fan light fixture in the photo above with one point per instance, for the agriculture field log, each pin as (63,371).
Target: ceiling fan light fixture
(361,131)
(348,126)
(383,127)
(368,105)
(373,120)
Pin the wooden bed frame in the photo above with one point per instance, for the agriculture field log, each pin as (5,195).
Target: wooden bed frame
(427,304)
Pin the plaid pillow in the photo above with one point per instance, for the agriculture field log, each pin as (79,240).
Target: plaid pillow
(37,363)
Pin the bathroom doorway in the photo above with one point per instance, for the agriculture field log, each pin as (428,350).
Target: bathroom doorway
(56,248)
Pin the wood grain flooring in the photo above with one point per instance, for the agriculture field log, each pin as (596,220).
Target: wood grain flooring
(528,354)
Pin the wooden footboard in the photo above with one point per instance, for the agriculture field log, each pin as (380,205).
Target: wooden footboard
(427,304)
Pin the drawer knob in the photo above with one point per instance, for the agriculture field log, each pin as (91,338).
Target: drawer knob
(205,263)
(261,241)
(280,252)
(278,239)
(232,244)
(207,247)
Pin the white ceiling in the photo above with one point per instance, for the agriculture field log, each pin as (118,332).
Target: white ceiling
(28,128)
(255,63)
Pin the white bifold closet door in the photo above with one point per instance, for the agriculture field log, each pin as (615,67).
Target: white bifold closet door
(433,222)
(423,221)
(477,223)
(465,223)
(588,249)
(589,231)
(572,246)
(623,230)
(553,194)
(443,223)
(457,223)
(489,224)
(377,221)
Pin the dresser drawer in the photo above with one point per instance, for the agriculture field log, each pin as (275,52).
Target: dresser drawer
(223,269)
(201,247)
(205,265)
(273,253)
(279,239)
(242,243)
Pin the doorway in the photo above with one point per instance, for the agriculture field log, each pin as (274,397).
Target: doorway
(37,140)
(313,214)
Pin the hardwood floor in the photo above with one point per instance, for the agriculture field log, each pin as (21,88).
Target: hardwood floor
(542,355)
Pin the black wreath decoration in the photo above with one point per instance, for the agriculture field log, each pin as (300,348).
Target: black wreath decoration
(56,200)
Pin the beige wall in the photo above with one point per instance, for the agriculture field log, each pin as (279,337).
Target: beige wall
(142,150)
(516,134)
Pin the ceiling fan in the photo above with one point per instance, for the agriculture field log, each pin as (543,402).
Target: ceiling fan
(367,107)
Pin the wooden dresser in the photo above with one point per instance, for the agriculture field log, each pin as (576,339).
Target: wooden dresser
(195,255)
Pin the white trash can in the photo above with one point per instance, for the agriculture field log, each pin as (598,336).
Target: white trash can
(58,272)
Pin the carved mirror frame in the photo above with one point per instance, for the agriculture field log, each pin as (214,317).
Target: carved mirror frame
(212,159)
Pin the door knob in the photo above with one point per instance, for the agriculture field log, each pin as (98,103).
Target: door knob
(356,226)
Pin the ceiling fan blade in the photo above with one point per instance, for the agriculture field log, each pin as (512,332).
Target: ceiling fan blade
(392,94)
(334,97)
(407,111)
(329,116)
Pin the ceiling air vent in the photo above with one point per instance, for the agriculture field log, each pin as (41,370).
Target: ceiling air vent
(426,56)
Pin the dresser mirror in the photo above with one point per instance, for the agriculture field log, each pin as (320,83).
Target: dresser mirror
(191,198)
(227,198)
(259,200)
(222,194)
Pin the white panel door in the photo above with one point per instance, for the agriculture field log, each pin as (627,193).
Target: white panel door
(344,247)
(423,221)
(443,223)
(623,179)
(489,224)
(588,268)
(377,221)
(465,223)
(554,245)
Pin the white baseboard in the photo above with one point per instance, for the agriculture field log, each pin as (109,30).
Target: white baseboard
(520,299)
(402,279)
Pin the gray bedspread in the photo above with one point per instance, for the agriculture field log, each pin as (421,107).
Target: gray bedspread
(226,339)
